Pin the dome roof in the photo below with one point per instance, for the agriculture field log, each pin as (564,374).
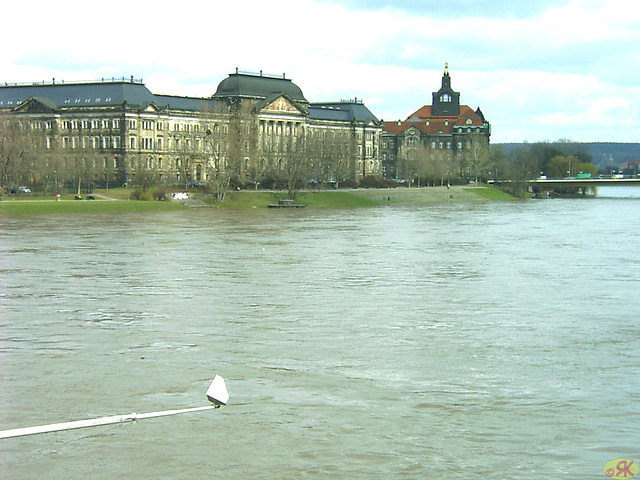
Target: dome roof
(258,86)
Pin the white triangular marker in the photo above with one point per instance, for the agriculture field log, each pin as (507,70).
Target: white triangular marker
(217,392)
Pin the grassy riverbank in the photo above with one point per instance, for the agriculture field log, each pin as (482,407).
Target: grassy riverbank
(51,206)
(117,200)
(365,197)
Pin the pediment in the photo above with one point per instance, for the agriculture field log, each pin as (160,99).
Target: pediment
(281,105)
(150,108)
(36,105)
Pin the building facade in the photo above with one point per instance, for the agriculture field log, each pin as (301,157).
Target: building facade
(440,141)
(117,131)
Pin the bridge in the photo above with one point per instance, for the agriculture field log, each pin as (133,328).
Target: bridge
(546,185)
(584,182)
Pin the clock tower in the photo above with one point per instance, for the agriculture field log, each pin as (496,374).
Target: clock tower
(446,102)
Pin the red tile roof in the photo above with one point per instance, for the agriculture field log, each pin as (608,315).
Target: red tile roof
(435,125)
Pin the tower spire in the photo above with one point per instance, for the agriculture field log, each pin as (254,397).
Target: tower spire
(446,68)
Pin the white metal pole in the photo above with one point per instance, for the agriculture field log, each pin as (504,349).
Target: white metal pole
(94,422)
(217,393)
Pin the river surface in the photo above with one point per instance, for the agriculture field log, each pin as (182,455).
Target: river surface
(495,340)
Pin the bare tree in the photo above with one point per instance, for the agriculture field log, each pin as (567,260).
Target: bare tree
(231,145)
(408,162)
(477,157)
(143,171)
(22,148)
(296,163)
(336,157)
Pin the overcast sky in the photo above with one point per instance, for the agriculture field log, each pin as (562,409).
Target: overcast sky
(539,70)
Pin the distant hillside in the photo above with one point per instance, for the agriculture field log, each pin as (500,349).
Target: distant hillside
(614,153)
(603,153)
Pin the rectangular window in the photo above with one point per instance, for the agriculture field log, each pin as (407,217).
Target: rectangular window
(132,142)
(116,123)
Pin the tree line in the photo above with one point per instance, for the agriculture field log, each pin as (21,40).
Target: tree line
(560,159)
(234,153)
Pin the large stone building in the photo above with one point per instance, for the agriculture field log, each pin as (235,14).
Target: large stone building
(440,141)
(254,126)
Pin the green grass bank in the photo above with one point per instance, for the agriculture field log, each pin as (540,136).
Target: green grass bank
(117,200)
(65,206)
(365,197)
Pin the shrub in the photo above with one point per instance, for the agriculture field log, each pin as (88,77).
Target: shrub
(138,194)
(374,181)
(349,183)
(161,193)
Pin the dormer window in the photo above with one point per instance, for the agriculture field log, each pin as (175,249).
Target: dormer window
(445,97)
(469,121)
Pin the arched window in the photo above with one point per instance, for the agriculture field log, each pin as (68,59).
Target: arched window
(445,97)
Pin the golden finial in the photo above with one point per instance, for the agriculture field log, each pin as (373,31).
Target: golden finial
(446,68)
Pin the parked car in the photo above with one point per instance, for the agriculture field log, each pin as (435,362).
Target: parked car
(20,189)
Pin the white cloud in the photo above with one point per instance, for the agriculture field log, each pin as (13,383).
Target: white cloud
(551,70)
